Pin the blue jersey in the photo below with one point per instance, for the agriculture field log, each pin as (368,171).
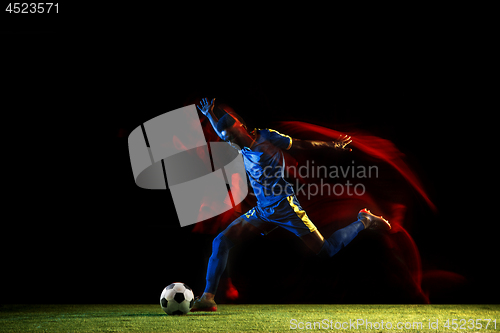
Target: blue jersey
(265,163)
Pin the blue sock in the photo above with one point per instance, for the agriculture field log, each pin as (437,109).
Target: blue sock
(341,238)
(217,263)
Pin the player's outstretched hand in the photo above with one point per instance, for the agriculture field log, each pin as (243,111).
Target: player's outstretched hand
(205,107)
(342,143)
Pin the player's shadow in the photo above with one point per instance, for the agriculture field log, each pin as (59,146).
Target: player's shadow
(203,314)
(165,315)
(143,315)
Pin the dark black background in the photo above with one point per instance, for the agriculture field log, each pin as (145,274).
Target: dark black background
(76,227)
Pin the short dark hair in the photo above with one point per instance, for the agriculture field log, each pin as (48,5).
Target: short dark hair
(228,120)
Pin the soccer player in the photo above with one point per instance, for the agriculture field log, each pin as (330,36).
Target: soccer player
(276,202)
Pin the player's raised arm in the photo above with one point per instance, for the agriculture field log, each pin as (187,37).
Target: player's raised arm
(339,144)
(208,110)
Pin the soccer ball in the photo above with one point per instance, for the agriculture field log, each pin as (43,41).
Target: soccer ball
(177,299)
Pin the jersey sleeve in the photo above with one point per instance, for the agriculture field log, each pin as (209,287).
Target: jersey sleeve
(282,141)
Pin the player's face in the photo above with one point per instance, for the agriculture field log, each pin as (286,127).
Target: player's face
(235,135)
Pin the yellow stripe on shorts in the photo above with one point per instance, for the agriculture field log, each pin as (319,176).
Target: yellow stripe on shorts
(302,215)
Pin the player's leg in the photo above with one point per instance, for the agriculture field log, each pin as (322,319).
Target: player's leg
(289,214)
(342,237)
(238,231)
(314,240)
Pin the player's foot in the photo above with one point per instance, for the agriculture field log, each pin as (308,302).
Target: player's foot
(372,221)
(205,305)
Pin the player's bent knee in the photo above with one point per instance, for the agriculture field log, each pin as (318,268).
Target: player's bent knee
(240,230)
(314,241)
(221,244)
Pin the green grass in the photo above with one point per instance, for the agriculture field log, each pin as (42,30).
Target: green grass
(239,318)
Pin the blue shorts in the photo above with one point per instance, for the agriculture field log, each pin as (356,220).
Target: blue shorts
(285,213)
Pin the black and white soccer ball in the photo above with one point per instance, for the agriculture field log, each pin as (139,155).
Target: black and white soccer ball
(177,299)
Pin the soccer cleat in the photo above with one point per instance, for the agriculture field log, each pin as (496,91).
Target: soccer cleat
(204,305)
(371,221)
